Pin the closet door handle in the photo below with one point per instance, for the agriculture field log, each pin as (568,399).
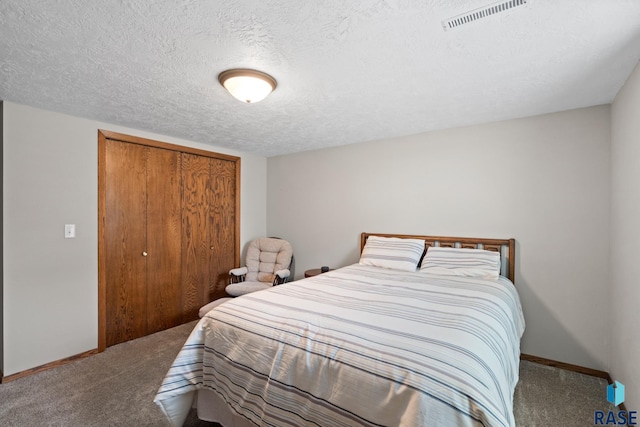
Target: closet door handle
(211,247)
(144,253)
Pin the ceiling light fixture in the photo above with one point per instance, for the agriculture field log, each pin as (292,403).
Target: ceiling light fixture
(248,86)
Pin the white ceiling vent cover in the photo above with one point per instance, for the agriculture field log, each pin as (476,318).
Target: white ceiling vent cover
(483,12)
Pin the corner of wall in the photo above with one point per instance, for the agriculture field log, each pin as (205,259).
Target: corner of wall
(624,342)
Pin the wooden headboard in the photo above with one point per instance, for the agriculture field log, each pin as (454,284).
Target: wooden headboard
(506,247)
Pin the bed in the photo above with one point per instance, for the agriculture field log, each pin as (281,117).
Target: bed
(366,344)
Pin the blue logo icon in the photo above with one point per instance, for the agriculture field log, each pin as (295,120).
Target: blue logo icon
(615,396)
(615,393)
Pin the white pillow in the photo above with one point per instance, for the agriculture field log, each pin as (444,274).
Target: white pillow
(392,252)
(461,262)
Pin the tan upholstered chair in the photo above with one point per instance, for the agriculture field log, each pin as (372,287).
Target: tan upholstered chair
(269,262)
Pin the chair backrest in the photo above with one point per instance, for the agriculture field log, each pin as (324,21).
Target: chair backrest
(265,256)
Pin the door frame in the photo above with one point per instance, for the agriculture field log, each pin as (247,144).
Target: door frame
(103,136)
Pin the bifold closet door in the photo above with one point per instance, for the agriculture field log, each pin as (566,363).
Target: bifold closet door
(223,225)
(143,246)
(126,241)
(164,246)
(208,229)
(197,250)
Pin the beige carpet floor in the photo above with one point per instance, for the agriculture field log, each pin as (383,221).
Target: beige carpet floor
(117,387)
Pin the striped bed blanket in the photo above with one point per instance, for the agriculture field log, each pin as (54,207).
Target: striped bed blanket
(360,345)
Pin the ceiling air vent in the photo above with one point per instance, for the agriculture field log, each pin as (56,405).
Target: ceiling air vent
(483,12)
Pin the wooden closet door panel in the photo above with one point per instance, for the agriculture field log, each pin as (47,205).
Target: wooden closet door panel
(125,235)
(164,236)
(223,225)
(196,246)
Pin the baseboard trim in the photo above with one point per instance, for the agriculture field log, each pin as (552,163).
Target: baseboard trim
(567,366)
(47,366)
(573,368)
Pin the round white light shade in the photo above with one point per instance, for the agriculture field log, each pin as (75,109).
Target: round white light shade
(247,85)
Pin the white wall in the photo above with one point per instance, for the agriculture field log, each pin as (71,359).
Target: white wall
(625,235)
(542,180)
(50,179)
(1,233)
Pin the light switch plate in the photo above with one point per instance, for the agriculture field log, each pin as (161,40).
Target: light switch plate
(69,231)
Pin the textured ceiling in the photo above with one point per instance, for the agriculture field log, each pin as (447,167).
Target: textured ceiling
(347,71)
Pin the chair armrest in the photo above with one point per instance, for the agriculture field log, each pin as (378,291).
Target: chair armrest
(283,274)
(239,271)
(281,277)
(236,275)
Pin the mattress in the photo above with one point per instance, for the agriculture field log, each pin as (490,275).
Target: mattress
(359,345)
